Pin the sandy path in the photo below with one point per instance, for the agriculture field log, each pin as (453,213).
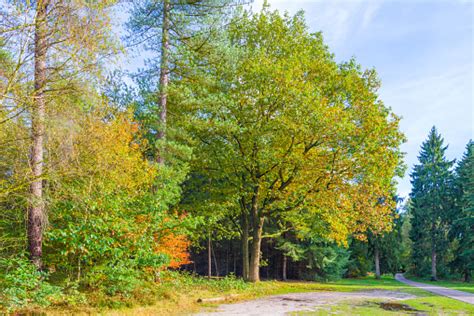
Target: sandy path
(455,294)
(283,304)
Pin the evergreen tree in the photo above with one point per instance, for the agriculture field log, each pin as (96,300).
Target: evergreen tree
(463,217)
(160,27)
(430,204)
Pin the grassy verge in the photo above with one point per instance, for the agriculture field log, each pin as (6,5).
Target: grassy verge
(456,285)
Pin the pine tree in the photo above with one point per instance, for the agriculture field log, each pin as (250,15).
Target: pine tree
(463,217)
(431,183)
(161,26)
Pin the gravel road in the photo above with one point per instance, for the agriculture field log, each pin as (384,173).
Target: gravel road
(455,294)
(283,304)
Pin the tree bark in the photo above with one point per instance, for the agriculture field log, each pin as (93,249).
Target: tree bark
(215,261)
(377,262)
(254,273)
(433,264)
(209,257)
(36,213)
(434,276)
(245,247)
(285,263)
(164,73)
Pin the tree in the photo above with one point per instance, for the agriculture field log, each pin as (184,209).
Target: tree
(60,60)
(430,197)
(463,216)
(160,26)
(285,133)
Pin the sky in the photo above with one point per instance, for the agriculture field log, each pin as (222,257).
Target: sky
(423,53)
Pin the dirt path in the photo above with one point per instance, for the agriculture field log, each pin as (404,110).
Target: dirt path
(283,304)
(455,294)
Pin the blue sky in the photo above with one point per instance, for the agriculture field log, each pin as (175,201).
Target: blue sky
(423,52)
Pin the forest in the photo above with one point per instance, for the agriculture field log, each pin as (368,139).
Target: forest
(240,152)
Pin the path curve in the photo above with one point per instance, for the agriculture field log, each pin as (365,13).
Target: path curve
(455,294)
(300,302)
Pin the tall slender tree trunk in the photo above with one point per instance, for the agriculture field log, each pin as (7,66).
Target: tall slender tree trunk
(36,208)
(245,247)
(164,72)
(434,276)
(377,262)
(209,257)
(254,272)
(215,261)
(284,267)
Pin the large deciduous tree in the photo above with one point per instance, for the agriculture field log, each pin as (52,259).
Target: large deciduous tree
(431,201)
(284,133)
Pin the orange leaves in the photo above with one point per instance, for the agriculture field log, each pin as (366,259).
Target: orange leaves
(175,246)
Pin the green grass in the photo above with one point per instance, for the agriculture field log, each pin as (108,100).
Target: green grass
(456,285)
(425,302)
(430,305)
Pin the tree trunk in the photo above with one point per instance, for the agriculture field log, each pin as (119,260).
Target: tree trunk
(254,273)
(215,261)
(245,247)
(377,262)
(433,263)
(36,214)
(433,253)
(164,72)
(209,257)
(285,262)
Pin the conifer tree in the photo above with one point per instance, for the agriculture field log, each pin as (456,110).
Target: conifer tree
(430,203)
(463,217)
(161,26)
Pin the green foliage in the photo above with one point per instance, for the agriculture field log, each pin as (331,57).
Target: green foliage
(328,262)
(185,279)
(112,279)
(431,200)
(21,285)
(360,260)
(463,215)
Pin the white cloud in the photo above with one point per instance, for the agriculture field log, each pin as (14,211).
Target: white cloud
(338,19)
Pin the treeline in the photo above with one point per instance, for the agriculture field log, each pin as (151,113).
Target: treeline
(242,147)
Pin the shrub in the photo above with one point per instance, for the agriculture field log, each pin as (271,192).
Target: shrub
(21,285)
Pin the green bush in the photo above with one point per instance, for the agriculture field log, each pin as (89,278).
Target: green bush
(120,278)
(326,262)
(21,285)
